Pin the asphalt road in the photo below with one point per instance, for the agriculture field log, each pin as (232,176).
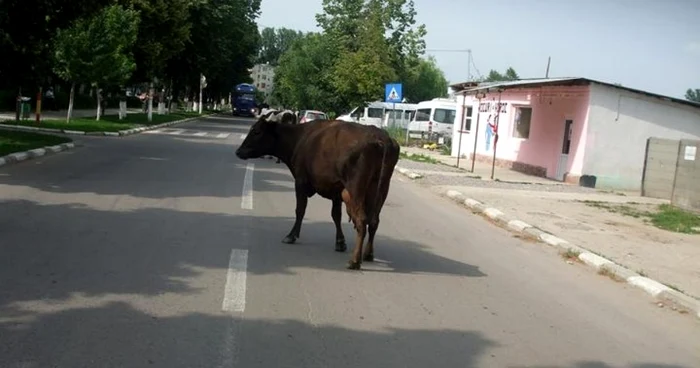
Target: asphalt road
(164,250)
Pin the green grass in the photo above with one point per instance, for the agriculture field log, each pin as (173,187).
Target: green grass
(13,141)
(665,217)
(419,158)
(108,123)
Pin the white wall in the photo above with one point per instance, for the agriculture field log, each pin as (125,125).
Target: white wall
(467,138)
(619,124)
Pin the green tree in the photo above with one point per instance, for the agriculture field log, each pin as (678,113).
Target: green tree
(495,76)
(426,82)
(364,44)
(275,42)
(303,77)
(222,45)
(96,50)
(162,34)
(693,95)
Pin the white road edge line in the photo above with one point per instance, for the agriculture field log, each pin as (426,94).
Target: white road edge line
(223,135)
(243,135)
(234,294)
(247,195)
(177,132)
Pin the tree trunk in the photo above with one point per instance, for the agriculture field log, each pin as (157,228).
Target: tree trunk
(71,99)
(99,103)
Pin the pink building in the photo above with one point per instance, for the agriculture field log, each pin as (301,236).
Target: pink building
(570,129)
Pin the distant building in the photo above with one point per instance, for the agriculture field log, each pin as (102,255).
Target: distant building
(576,130)
(263,76)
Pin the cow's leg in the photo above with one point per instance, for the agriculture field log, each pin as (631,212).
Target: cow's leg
(361,230)
(369,250)
(337,214)
(302,200)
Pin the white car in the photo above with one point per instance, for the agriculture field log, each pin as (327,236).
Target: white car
(306,116)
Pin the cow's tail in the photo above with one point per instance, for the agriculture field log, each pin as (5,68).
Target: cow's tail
(380,180)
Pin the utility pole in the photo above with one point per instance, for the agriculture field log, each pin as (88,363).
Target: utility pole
(549,60)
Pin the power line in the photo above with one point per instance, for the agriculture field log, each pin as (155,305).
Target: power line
(470,60)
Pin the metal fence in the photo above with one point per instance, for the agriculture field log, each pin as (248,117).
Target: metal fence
(672,171)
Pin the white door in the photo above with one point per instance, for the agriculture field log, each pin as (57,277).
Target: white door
(563,162)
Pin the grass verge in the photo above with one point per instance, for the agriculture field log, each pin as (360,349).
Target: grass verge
(664,217)
(108,123)
(419,158)
(14,141)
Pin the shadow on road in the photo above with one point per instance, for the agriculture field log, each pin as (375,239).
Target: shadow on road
(118,335)
(115,334)
(51,252)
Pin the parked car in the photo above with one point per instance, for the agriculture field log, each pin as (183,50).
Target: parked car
(306,116)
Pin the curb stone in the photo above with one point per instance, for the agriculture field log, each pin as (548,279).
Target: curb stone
(34,153)
(658,291)
(120,133)
(408,173)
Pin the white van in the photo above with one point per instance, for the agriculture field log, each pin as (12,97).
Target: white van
(377,113)
(434,117)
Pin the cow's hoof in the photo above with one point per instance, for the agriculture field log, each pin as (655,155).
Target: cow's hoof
(289,239)
(340,246)
(368,257)
(352,265)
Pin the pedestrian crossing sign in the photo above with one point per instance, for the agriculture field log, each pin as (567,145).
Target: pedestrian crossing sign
(393,93)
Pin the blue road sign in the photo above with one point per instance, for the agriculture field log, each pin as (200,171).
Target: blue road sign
(393,92)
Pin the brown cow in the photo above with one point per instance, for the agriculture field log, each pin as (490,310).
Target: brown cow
(341,161)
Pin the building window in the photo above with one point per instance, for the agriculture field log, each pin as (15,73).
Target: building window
(521,123)
(262,85)
(467,121)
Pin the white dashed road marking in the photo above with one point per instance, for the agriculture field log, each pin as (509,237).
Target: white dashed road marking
(187,132)
(247,195)
(243,136)
(234,294)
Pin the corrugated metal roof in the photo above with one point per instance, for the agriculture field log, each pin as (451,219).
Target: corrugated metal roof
(535,82)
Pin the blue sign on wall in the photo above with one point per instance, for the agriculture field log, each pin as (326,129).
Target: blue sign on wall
(393,93)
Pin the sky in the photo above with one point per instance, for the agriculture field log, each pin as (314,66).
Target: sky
(643,44)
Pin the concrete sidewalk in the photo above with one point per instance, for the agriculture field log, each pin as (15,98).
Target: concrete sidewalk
(601,222)
(481,170)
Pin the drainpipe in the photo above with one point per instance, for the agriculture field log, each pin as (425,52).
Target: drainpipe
(479,96)
(495,138)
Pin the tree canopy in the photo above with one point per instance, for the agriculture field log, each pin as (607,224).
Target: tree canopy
(495,76)
(693,95)
(363,45)
(175,42)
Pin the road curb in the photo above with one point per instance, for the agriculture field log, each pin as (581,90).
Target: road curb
(410,174)
(657,290)
(121,133)
(17,157)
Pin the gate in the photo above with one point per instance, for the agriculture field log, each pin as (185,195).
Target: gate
(672,171)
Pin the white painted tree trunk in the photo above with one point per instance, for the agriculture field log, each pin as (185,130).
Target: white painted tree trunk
(70,102)
(99,104)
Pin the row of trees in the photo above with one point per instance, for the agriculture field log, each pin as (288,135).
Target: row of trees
(112,44)
(363,45)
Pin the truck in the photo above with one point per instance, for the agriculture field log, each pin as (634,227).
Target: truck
(244,103)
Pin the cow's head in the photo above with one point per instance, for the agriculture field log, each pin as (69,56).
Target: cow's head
(262,137)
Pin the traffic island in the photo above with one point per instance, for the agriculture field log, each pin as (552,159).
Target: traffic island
(18,146)
(108,125)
